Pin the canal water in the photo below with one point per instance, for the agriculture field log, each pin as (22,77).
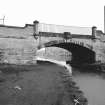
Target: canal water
(92,84)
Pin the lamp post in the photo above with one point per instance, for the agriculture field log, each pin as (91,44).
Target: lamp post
(3,20)
(104,19)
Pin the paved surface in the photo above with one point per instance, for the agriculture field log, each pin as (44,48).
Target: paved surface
(44,84)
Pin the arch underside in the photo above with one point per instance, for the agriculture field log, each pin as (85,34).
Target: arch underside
(80,54)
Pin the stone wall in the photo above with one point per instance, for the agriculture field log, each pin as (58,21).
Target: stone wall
(55,53)
(17,45)
(17,32)
(99,48)
(18,51)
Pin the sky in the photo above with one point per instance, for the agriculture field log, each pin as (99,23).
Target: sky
(83,13)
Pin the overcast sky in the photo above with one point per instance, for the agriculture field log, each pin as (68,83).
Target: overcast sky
(62,12)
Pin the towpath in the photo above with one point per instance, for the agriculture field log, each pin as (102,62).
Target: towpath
(42,84)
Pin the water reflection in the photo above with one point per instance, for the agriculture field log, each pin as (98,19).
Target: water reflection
(92,84)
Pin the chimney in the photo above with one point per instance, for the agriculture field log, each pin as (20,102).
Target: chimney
(104,19)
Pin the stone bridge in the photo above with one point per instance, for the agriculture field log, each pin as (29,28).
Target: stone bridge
(81,53)
(19,44)
(87,44)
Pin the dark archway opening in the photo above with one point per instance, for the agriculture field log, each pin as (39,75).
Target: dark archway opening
(80,54)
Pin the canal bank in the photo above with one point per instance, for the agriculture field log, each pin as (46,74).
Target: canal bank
(41,84)
(71,87)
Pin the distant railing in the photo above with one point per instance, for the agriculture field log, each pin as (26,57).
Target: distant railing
(42,27)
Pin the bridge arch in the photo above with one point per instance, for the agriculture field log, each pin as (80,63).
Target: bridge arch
(80,54)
